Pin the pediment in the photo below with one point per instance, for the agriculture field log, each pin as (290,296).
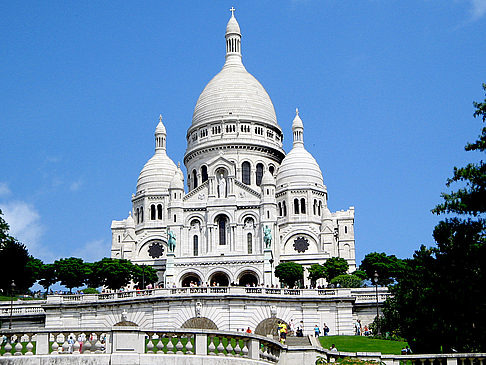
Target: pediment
(198,195)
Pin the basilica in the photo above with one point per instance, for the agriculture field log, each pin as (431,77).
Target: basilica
(248,205)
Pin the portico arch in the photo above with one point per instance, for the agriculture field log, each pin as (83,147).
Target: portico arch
(189,277)
(248,278)
(200,323)
(219,278)
(269,326)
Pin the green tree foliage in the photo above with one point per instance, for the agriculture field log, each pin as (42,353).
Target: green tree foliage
(439,301)
(114,273)
(47,276)
(143,275)
(289,273)
(388,267)
(72,272)
(335,266)
(360,274)
(17,265)
(316,271)
(347,281)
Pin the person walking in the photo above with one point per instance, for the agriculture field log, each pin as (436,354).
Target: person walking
(317,331)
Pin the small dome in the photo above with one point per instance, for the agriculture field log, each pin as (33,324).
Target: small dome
(233,26)
(176,182)
(297,123)
(157,173)
(160,129)
(268,179)
(130,223)
(299,168)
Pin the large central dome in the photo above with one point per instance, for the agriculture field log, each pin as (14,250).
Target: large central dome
(234,91)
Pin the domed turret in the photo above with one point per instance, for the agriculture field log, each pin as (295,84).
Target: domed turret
(268,179)
(177,182)
(157,173)
(299,167)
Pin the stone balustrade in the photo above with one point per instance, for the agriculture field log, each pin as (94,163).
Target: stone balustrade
(132,340)
(361,295)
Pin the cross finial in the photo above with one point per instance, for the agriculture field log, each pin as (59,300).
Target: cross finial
(296,111)
(160,118)
(232,11)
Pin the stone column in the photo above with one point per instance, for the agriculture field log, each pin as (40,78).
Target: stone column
(267,266)
(169,275)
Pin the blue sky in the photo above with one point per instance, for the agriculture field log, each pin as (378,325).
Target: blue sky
(385,90)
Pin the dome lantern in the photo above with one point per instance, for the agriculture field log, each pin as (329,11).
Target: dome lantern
(298,130)
(233,39)
(160,135)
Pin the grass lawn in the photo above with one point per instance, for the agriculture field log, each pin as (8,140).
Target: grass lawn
(362,344)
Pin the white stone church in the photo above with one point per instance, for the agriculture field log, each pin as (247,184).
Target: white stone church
(240,182)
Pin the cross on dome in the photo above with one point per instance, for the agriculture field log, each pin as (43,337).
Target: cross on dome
(160,118)
(232,11)
(296,111)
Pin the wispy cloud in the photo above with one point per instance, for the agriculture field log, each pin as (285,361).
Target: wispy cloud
(4,190)
(93,250)
(25,225)
(478,8)
(75,185)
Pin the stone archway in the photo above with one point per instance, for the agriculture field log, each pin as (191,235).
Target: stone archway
(219,278)
(188,278)
(248,278)
(200,323)
(269,326)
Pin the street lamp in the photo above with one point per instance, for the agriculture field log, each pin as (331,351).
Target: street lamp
(375,280)
(143,276)
(271,271)
(12,288)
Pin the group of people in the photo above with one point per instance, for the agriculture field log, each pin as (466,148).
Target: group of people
(359,330)
(317,330)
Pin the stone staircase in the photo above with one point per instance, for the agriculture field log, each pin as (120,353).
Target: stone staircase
(293,341)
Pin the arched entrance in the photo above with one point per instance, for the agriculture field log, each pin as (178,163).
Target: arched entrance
(200,323)
(219,279)
(248,279)
(269,326)
(190,278)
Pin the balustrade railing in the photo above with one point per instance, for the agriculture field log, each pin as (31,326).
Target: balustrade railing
(30,342)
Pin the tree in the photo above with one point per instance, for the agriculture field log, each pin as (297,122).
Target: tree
(347,281)
(439,299)
(289,273)
(387,267)
(316,271)
(47,276)
(71,272)
(114,273)
(143,275)
(335,266)
(17,265)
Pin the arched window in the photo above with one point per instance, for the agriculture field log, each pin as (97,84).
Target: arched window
(279,209)
(319,208)
(196,245)
(194,179)
(141,214)
(204,173)
(175,218)
(137,214)
(245,172)
(152,212)
(345,229)
(284,209)
(268,214)
(296,206)
(315,207)
(302,206)
(222,230)
(159,211)
(271,169)
(249,241)
(259,174)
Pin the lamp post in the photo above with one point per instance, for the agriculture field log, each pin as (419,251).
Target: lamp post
(12,288)
(375,280)
(271,271)
(143,276)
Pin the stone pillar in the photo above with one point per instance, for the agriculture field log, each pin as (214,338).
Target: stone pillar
(267,266)
(169,275)
(254,349)
(42,344)
(201,343)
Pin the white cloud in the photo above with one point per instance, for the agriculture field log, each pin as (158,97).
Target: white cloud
(93,250)
(4,190)
(478,8)
(25,225)
(75,185)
